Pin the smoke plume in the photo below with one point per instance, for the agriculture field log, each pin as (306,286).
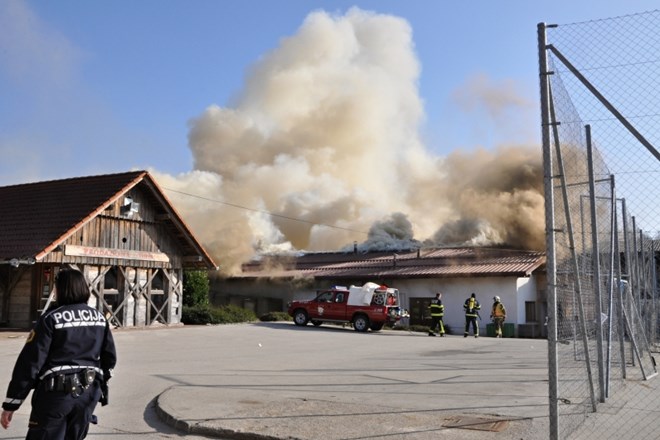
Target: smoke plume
(321,148)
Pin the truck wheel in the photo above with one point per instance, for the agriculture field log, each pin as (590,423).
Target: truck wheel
(300,317)
(361,323)
(316,323)
(377,326)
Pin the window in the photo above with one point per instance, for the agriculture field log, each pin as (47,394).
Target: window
(110,281)
(530,311)
(158,282)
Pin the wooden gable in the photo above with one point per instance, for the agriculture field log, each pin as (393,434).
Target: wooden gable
(133,230)
(120,230)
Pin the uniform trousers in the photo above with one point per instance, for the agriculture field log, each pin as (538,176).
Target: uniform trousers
(436,323)
(499,322)
(471,320)
(59,415)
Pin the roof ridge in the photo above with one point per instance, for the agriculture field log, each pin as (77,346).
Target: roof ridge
(68,179)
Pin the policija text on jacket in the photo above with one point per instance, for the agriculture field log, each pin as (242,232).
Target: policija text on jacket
(67,359)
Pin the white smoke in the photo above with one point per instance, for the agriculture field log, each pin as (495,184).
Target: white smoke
(322,145)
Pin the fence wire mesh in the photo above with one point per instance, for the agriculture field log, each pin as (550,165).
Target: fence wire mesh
(603,132)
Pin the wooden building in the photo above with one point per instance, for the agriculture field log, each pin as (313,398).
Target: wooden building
(120,230)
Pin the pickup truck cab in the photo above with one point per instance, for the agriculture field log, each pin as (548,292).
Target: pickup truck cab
(366,307)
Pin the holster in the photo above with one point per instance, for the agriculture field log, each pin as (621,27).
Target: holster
(74,383)
(104,400)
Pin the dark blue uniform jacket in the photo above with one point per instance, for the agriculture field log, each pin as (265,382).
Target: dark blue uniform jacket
(65,340)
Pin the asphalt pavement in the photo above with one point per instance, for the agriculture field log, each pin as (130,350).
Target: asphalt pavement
(279,381)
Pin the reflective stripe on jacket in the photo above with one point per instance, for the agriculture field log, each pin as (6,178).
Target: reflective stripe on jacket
(65,339)
(437,309)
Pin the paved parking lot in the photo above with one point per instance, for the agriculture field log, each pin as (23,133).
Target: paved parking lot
(276,380)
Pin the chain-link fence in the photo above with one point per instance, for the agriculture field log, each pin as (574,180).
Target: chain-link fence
(600,94)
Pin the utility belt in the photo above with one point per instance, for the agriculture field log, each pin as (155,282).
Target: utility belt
(74,383)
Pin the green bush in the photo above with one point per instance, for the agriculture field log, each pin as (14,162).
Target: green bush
(195,288)
(232,314)
(275,316)
(205,314)
(196,315)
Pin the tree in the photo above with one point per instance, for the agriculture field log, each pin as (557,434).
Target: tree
(195,288)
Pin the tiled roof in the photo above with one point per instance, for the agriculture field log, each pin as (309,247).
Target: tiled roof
(425,263)
(36,217)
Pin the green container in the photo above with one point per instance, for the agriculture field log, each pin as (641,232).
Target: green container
(508,330)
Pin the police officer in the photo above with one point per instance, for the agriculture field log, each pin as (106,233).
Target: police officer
(66,356)
(498,315)
(437,312)
(471,308)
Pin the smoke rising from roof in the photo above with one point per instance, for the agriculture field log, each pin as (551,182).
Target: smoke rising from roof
(326,131)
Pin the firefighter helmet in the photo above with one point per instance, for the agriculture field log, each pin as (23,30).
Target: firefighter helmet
(496,298)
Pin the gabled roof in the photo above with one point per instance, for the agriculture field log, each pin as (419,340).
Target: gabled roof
(36,217)
(425,263)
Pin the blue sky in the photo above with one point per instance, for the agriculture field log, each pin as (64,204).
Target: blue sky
(104,86)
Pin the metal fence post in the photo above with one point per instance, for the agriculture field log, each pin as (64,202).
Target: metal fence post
(595,251)
(549,233)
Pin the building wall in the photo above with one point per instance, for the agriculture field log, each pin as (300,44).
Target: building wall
(142,296)
(456,290)
(513,292)
(260,295)
(531,326)
(527,291)
(137,296)
(117,228)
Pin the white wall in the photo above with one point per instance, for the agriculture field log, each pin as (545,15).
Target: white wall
(527,291)
(513,293)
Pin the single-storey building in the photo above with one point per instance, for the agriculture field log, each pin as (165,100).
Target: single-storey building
(516,276)
(120,230)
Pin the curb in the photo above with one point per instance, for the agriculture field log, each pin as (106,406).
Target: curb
(200,428)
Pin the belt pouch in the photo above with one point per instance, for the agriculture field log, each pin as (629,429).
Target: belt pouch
(60,380)
(50,383)
(88,377)
(75,387)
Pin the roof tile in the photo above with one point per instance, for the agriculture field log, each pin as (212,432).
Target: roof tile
(425,263)
(34,215)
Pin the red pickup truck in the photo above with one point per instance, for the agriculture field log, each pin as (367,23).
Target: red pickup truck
(367,307)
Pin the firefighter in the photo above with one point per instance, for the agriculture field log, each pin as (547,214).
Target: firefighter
(66,358)
(471,308)
(498,315)
(437,312)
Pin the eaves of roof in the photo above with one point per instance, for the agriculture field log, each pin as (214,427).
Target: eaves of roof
(431,263)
